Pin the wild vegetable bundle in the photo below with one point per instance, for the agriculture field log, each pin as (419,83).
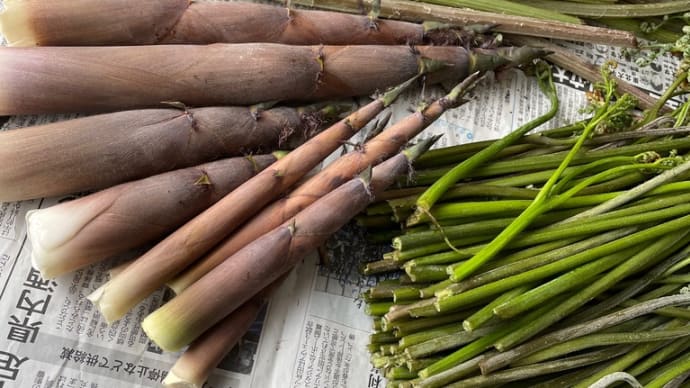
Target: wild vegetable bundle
(545,260)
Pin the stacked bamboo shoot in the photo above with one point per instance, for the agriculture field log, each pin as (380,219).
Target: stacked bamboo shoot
(125,22)
(96,79)
(100,151)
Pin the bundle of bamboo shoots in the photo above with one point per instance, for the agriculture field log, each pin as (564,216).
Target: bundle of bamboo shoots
(192,165)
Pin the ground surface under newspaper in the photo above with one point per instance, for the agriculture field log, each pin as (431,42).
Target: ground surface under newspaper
(314,331)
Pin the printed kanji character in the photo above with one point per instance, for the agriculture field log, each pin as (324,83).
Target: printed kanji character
(35,280)
(66,353)
(23,331)
(79,356)
(9,365)
(30,305)
(154,374)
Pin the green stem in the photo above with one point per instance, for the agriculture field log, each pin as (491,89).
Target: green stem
(459,191)
(527,252)
(399,373)
(660,356)
(449,375)
(592,166)
(436,191)
(509,8)
(677,367)
(653,112)
(438,258)
(382,338)
(446,342)
(457,153)
(378,309)
(426,335)
(485,314)
(402,256)
(426,274)
(622,182)
(430,291)
(676,279)
(383,290)
(407,293)
(660,35)
(405,328)
(660,291)
(380,266)
(419,364)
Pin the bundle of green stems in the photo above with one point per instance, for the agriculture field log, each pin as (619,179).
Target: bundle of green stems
(557,259)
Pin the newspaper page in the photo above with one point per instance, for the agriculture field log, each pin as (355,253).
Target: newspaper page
(314,331)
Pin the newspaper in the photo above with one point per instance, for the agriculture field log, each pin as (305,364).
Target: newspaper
(314,331)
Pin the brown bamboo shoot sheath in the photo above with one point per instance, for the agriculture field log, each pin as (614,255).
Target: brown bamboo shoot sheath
(103,150)
(90,79)
(145,22)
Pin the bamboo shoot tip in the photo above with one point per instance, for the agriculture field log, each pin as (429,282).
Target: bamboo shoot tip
(106,309)
(39,265)
(155,327)
(176,286)
(15,24)
(172,380)
(40,259)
